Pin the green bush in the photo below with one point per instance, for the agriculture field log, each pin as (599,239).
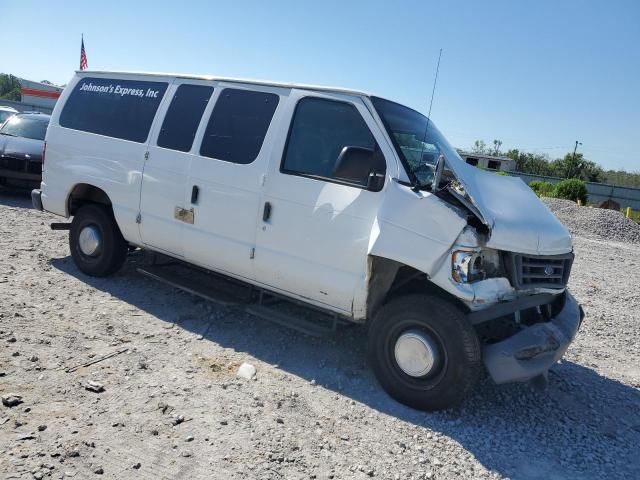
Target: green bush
(542,189)
(497,172)
(572,189)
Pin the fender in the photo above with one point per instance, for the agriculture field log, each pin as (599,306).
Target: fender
(412,228)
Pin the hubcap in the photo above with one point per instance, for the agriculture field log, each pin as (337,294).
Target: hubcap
(89,241)
(415,353)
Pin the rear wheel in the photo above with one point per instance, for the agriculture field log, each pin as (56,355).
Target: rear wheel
(424,352)
(95,241)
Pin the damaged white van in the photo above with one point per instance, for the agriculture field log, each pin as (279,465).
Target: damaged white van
(342,201)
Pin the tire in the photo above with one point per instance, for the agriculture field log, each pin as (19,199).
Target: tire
(456,365)
(112,251)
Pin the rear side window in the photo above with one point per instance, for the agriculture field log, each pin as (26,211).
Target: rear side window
(115,108)
(320,129)
(238,125)
(183,117)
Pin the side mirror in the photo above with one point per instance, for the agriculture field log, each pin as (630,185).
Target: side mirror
(361,165)
(375,182)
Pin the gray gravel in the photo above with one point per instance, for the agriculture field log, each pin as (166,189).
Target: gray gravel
(592,222)
(172,405)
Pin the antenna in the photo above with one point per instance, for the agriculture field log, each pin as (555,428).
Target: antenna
(433,91)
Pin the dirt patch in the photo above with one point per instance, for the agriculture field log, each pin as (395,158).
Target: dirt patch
(172,406)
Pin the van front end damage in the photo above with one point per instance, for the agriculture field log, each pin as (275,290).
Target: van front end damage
(463,264)
(517,303)
(534,349)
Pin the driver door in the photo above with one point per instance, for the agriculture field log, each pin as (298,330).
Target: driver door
(313,235)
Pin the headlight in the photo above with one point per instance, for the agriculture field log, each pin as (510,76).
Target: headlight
(466,266)
(470,265)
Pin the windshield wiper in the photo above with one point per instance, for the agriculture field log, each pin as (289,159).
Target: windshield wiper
(8,134)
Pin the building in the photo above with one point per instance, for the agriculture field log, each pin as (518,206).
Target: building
(491,162)
(40,95)
(36,96)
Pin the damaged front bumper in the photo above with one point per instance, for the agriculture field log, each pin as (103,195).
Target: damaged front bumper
(536,348)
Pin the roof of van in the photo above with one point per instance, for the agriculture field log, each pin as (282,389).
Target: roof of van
(229,79)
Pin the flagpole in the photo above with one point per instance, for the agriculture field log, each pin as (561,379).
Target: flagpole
(83,53)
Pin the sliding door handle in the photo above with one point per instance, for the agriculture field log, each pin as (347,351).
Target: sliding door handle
(194,194)
(266,213)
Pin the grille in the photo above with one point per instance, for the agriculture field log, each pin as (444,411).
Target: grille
(546,271)
(20,165)
(10,163)
(34,167)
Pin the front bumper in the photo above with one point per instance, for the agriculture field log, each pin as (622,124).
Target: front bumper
(20,175)
(36,199)
(20,171)
(534,349)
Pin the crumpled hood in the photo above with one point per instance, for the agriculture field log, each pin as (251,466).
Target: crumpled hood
(518,220)
(20,147)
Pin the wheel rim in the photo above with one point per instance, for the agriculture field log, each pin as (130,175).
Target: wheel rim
(90,241)
(416,353)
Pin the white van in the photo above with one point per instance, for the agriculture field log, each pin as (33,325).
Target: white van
(347,202)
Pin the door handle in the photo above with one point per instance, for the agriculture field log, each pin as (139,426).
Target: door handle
(194,194)
(266,213)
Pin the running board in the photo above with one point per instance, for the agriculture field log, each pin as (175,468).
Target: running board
(309,320)
(192,285)
(315,327)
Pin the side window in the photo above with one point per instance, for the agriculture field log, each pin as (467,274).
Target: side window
(319,132)
(238,125)
(183,117)
(115,108)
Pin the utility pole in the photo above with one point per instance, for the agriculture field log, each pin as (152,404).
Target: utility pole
(576,148)
(574,166)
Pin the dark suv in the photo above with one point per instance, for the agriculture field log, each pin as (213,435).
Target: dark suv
(21,145)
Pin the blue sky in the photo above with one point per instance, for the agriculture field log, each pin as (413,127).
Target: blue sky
(537,75)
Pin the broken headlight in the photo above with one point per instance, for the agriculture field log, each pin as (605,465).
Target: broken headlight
(468,266)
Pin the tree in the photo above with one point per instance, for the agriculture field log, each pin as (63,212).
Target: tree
(532,163)
(576,166)
(592,172)
(9,88)
(622,177)
(496,147)
(569,166)
(479,147)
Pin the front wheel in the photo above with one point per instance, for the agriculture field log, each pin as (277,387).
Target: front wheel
(424,352)
(95,241)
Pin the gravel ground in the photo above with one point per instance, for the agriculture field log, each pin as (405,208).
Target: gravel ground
(597,223)
(168,404)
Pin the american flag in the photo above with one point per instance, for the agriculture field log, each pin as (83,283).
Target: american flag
(83,56)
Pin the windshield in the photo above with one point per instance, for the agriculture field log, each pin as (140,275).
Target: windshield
(418,152)
(4,114)
(26,126)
